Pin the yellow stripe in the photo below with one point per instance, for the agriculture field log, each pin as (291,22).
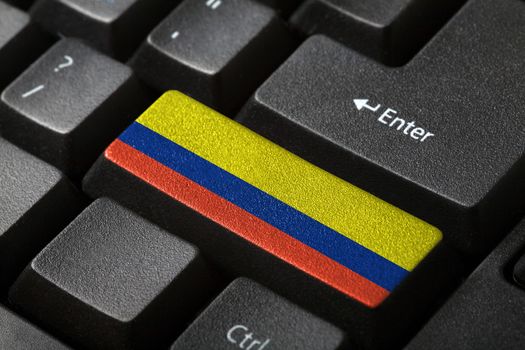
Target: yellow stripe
(356,214)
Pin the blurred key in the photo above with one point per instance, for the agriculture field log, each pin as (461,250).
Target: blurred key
(23,4)
(69,105)
(519,271)
(285,7)
(262,212)
(36,201)
(20,43)
(440,137)
(216,51)
(115,27)
(113,280)
(487,311)
(18,334)
(248,316)
(389,31)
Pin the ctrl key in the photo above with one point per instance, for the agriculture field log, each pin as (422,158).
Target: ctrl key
(249,316)
(112,280)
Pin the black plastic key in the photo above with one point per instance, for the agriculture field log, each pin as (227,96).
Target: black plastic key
(18,334)
(389,31)
(441,137)
(115,27)
(23,4)
(36,202)
(215,51)
(248,316)
(283,6)
(112,280)
(69,105)
(487,311)
(20,43)
(519,271)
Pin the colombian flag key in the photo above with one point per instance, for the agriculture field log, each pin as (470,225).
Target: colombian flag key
(309,218)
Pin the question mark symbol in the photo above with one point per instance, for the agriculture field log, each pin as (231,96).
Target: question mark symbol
(68,63)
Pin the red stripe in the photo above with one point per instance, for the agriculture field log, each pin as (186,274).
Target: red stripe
(246,225)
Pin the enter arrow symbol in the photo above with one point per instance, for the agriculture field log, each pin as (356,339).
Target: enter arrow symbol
(361,103)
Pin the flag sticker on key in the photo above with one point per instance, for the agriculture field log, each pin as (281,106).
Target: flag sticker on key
(313,220)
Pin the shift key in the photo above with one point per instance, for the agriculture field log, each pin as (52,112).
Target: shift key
(441,137)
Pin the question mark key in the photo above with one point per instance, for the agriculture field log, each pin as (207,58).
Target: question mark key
(67,106)
(68,61)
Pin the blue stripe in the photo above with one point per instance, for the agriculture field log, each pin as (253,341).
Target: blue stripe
(359,259)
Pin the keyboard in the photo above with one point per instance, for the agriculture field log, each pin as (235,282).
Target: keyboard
(262,174)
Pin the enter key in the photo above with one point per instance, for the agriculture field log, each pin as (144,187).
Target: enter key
(442,137)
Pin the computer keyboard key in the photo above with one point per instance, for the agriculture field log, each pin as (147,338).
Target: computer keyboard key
(18,334)
(389,31)
(519,271)
(115,27)
(215,51)
(248,316)
(20,42)
(285,7)
(439,137)
(487,311)
(259,211)
(112,280)
(36,202)
(69,105)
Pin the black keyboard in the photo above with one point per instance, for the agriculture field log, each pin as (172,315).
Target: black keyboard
(262,174)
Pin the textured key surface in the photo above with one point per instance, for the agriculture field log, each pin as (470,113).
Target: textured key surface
(11,23)
(113,26)
(35,202)
(440,137)
(71,102)
(17,334)
(255,208)
(104,11)
(390,31)
(215,51)
(487,311)
(136,281)
(248,316)
(20,42)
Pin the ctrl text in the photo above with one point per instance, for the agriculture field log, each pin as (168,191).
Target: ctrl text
(243,338)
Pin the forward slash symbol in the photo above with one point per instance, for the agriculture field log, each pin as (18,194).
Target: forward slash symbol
(33,91)
(213,4)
